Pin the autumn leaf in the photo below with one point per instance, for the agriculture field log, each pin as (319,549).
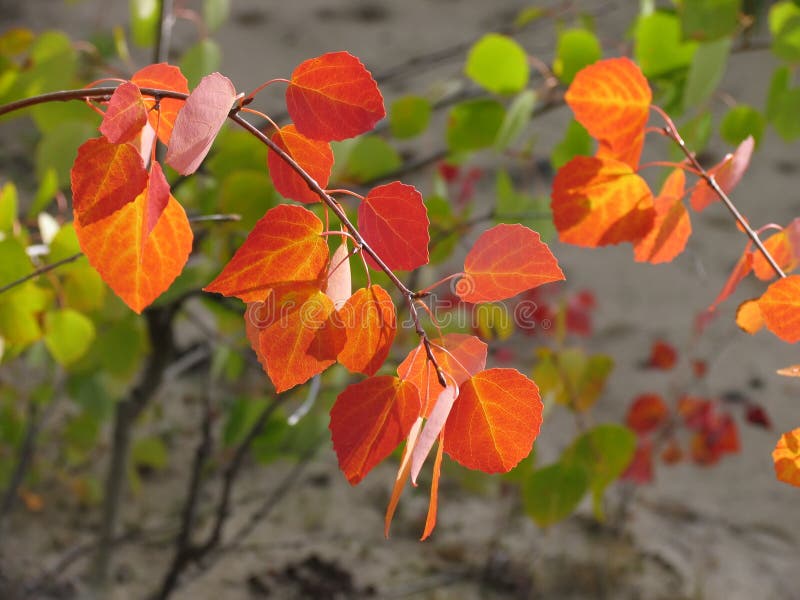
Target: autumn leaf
(647,413)
(430,519)
(369,419)
(748,316)
(157,195)
(284,246)
(640,469)
(198,123)
(790,371)
(394,221)
(740,271)
(727,173)
(597,202)
(164,77)
(662,356)
(126,114)
(671,227)
(314,156)
(433,427)
(494,421)
(333,97)
(780,307)
(105,177)
(786,457)
(784,247)
(339,286)
(138,272)
(504,261)
(611,99)
(370,323)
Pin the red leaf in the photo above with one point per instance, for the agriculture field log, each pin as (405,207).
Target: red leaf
(394,222)
(126,114)
(370,323)
(138,273)
(284,246)
(786,457)
(105,177)
(780,307)
(339,286)
(719,437)
(333,97)
(611,99)
(756,415)
(198,123)
(598,201)
(647,413)
(504,261)
(494,421)
(671,228)
(640,470)
(784,247)
(164,77)
(314,156)
(368,420)
(727,174)
(297,338)
(458,355)
(156,199)
(433,427)
(662,356)
(672,452)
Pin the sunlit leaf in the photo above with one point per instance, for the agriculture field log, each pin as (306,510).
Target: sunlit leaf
(786,457)
(339,286)
(315,158)
(727,173)
(369,320)
(575,49)
(498,63)
(126,114)
(165,77)
(780,307)
(671,227)
(647,413)
(433,427)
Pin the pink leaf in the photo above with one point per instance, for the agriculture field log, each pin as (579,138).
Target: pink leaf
(433,427)
(727,174)
(126,114)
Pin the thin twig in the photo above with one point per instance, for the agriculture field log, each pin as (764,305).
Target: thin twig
(41,271)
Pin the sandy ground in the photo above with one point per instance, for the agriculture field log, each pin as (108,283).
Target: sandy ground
(728,532)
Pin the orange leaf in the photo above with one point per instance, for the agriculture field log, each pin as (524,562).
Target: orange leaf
(791,371)
(394,222)
(333,97)
(198,123)
(494,421)
(368,420)
(402,475)
(339,286)
(671,228)
(459,355)
(284,246)
(105,177)
(430,520)
(662,356)
(504,261)
(433,428)
(647,413)
(748,316)
(740,271)
(784,247)
(138,272)
(297,338)
(780,307)
(727,173)
(370,323)
(314,156)
(126,114)
(786,457)
(611,99)
(164,77)
(598,201)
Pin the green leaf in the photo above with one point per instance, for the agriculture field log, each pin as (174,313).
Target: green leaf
(512,206)
(778,87)
(64,244)
(371,158)
(68,335)
(576,49)
(58,148)
(658,47)
(82,431)
(14,261)
(19,308)
(48,187)
(784,24)
(144,16)
(498,63)
(517,118)
(706,20)
(782,103)
(552,493)
(199,60)
(474,124)
(572,378)
(50,115)
(443,228)
(241,416)
(576,142)
(235,150)
(120,346)
(84,289)
(695,132)
(740,122)
(409,116)
(150,452)
(215,13)
(604,452)
(706,71)
(8,206)
(247,193)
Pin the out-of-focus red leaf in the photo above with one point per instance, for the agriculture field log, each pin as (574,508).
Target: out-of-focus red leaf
(314,156)
(198,123)
(333,97)
(494,421)
(748,316)
(369,419)
(126,114)
(284,246)
(369,321)
(786,457)
(597,202)
(105,177)
(672,452)
(339,286)
(504,261)
(640,469)
(718,438)
(164,77)
(433,427)
(727,174)
(611,99)
(756,415)
(394,222)
(662,356)
(672,226)
(156,199)
(699,368)
(780,307)
(137,272)
(647,413)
